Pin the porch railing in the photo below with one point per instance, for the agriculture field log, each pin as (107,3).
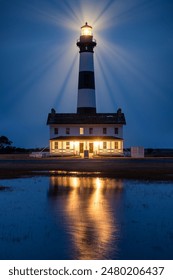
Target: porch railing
(110,152)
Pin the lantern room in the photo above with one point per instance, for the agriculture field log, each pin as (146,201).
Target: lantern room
(86,30)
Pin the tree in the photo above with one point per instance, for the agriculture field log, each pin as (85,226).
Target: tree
(4,142)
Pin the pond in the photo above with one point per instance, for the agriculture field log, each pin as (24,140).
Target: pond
(84,217)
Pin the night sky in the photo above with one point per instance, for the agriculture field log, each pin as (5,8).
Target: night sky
(39,64)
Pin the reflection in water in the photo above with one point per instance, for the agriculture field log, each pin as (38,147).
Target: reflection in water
(85,205)
(72,217)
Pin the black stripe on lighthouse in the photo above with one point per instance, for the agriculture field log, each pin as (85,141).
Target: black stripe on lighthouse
(86,80)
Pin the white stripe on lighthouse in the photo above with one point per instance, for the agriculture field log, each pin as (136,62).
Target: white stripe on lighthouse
(86,98)
(86,62)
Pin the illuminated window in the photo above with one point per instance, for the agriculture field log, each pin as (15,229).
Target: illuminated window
(81,130)
(90,130)
(104,130)
(56,130)
(116,130)
(91,147)
(67,145)
(104,145)
(56,145)
(67,130)
(116,145)
(81,147)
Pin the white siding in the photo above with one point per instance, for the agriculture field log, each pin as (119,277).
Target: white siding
(97,130)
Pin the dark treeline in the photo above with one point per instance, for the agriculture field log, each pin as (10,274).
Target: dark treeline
(6,147)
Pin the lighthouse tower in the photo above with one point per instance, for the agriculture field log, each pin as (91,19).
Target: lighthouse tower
(86,133)
(86,102)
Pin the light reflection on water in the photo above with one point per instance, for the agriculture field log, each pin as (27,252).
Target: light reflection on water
(88,214)
(81,217)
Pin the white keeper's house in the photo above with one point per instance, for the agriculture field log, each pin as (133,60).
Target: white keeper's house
(86,132)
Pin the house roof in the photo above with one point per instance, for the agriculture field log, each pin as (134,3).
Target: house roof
(97,118)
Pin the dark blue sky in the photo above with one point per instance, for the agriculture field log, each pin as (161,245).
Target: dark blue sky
(133,66)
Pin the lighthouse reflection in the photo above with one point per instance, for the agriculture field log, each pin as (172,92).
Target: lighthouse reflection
(88,208)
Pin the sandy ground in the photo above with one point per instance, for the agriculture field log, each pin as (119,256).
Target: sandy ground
(147,168)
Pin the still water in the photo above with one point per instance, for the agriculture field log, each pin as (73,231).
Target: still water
(77,217)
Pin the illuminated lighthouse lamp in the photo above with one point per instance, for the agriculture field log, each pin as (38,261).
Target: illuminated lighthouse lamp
(86,30)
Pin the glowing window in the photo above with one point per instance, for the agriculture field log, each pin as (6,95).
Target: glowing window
(91,147)
(67,145)
(81,130)
(56,145)
(104,145)
(116,145)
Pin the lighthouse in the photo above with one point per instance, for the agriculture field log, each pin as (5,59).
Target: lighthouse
(86,133)
(86,101)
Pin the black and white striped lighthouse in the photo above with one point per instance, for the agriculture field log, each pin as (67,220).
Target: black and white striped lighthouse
(86,102)
(86,133)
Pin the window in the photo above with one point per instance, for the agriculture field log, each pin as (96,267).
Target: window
(116,130)
(81,147)
(90,130)
(104,130)
(81,130)
(104,145)
(116,145)
(91,146)
(56,130)
(67,145)
(67,130)
(56,145)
